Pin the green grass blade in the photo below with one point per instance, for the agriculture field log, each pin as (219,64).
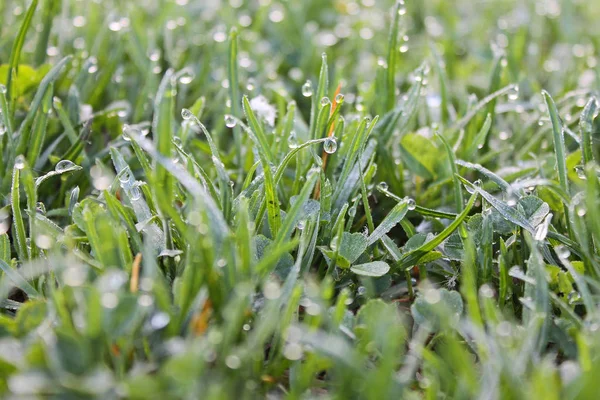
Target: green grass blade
(18,280)
(559,142)
(258,131)
(414,256)
(391,220)
(17,215)
(586,127)
(15,55)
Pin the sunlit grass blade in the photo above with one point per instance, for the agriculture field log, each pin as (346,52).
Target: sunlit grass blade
(15,55)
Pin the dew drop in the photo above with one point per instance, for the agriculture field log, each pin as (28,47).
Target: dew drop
(580,172)
(401,8)
(135,193)
(562,251)
(159,320)
(126,130)
(64,165)
(229,121)
(125,176)
(186,114)
(410,203)
(330,145)
(301,224)
(20,162)
(40,208)
(292,140)
(292,351)
(513,95)
(382,186)
(325,101)
(233,361)
(307,89)
(186,78)
(3,89)
(44,242)
(250,85)
(339,98)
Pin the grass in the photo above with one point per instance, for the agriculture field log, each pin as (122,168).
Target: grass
(300,199)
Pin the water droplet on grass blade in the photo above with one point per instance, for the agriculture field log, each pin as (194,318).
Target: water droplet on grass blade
(3,89)
(410,203)
(44,242)
(186,114)
(292,140)
(159,320)
(401,8)
(580,170)
(513,95)
(64,165)
(330,145)
(20,162)
(339,98)
(307,89)
(562,252)
(325,101)
(186,77)
(135,193)
(382,186)
(230,121)
(126,131)
(125,175)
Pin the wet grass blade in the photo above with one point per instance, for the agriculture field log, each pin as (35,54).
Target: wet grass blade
(18,280)
(508,212)
(391,220)
(234,92)
(15,55)
(586,126)
(17,215)
(559,141)
(411,258)
(392,56)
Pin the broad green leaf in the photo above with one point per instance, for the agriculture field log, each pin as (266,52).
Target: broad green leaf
(420,155)
(437,307)
(375,269)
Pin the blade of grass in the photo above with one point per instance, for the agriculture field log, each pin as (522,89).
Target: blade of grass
(15,55)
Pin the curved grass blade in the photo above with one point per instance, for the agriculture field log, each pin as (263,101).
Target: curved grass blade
(414,256)
(18,280)
(508,212)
